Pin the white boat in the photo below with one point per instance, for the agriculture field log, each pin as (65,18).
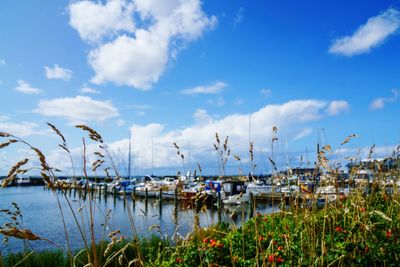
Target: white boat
(323,190)
(258,188)
(23,181)
(237,199)
(153,190)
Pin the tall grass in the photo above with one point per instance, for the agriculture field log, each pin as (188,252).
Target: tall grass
(363,229)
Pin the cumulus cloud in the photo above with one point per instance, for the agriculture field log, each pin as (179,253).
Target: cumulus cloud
(137,56)
(58,73)
(88,90)
(290,117)
(367,36)
(213,88)
(94,20)
(80,109)
(26,88)
(380,102)
(338,106)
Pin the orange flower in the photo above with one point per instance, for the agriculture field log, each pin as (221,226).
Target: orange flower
(261,238)
(280,248)
(363,209)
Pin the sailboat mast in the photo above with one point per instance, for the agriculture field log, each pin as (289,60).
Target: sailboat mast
(152,156)
(129,156)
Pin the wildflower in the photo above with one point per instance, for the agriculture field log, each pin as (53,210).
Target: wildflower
(275,242)
(261,238)
(220,245)
(205,240)
(388,234)
(280,248)
(338,229)
(271,258)
(363,209)
(179,260)
(279,260)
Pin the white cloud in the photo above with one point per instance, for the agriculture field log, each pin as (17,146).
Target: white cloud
(141,107)
(58,73)
(21,129)
(121,122)
(338,106)
(93,21)
(88,90)
(137,57)
(202,117)
(3,118)
(369,35)
(265,92)
(380,102)
(25,88)
(303,133)
(80,109)
(216,101)
(290,118)
(2,62)
(136,62)
(238,17)
(213,88)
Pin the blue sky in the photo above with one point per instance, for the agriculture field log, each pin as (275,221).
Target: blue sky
(179,71)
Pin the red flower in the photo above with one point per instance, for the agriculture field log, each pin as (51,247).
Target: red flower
(271,258)
(220,245)
(363,209)
(178,260)
(280,248)
(275,242)
(279,260)
(388,234)
(338,229)
(261,238)
(205,240)
(213,241)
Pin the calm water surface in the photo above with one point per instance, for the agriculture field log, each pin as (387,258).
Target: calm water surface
(42,216)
